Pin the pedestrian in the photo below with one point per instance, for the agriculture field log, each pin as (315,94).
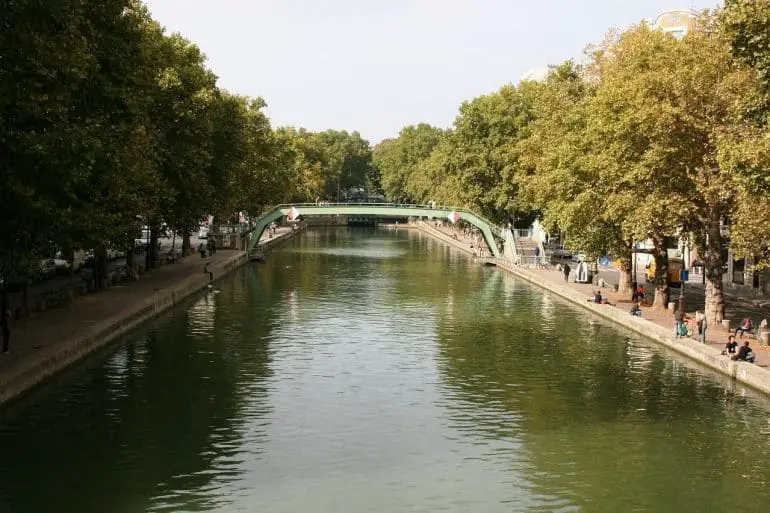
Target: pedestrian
(566,270)
(679,318)
(703,326)
(202,250)
(5,318)
(213,246)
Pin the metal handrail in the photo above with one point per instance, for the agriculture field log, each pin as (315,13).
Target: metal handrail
(496,229)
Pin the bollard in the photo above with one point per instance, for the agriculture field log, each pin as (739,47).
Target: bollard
(764,338)
(726,324)
(671,306)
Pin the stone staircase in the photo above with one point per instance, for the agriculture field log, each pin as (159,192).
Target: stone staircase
(525,249)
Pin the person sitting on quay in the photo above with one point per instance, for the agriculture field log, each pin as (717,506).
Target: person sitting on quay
(731,345)
(635,310)
(745,354)
(744,327)
(597,298)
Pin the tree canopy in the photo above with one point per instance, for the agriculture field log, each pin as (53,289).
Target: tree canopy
(107,123)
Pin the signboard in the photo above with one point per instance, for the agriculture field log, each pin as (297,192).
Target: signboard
(293,214)
(453,216)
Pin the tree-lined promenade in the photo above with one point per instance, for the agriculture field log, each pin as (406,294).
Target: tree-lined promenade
(107,123)
(652,139)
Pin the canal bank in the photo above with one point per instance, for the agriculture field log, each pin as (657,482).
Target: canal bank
(48,343)
(748,374)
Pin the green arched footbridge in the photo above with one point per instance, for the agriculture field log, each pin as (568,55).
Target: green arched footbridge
(390,210)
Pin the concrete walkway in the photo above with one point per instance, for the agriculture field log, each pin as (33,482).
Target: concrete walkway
(716,337)
(48,341)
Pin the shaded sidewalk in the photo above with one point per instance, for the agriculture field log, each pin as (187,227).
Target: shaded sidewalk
(716,337)
(45,342)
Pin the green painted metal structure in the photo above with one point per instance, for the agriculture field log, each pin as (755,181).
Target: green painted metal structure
(488,230)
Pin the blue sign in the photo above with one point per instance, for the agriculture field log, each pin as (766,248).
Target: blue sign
(684,274)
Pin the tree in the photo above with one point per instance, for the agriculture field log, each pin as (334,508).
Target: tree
(746,151)
(747,25)
(484,161)
(557,177)
(657,119)
(397,159)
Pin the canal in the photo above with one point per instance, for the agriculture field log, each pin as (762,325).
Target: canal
(363,370)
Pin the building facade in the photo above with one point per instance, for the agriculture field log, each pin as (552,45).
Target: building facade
(676,22)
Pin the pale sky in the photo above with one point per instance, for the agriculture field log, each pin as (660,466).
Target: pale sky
(378,65)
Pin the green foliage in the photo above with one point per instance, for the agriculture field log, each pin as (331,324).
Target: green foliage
(747,24)
(104,117)
(325,165)
(397,159)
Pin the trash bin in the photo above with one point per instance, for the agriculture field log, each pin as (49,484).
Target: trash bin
(684,274)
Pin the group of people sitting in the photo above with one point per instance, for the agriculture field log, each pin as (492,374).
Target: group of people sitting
(744,353)
(598,299)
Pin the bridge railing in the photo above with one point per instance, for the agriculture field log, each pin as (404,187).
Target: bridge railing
(497,230)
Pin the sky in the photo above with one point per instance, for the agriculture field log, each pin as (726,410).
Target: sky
(376,66)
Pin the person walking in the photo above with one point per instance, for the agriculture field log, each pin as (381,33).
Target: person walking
(566,270)
(703,327)
(5,318)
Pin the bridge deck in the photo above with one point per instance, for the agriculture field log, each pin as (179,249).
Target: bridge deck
(293,211)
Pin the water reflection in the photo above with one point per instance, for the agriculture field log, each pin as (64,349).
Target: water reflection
(337,377)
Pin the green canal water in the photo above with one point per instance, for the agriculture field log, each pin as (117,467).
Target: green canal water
(380,371)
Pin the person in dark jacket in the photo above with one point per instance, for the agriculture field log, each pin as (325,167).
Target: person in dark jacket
(745,353)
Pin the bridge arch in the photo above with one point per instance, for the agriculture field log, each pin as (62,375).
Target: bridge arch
(488,230)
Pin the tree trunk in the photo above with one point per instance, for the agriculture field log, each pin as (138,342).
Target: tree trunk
(187,245)
(660,254)
(69,254)
(714,307)
(130,256)
(153,249)
(625,279)
(25,297)
(100,267)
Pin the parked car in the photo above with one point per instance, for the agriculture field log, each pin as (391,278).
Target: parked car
(78,260)
(113,254)
(579,257)
(47,268)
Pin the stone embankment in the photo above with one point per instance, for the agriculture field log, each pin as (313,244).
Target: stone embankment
(55,339)
(754,376)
